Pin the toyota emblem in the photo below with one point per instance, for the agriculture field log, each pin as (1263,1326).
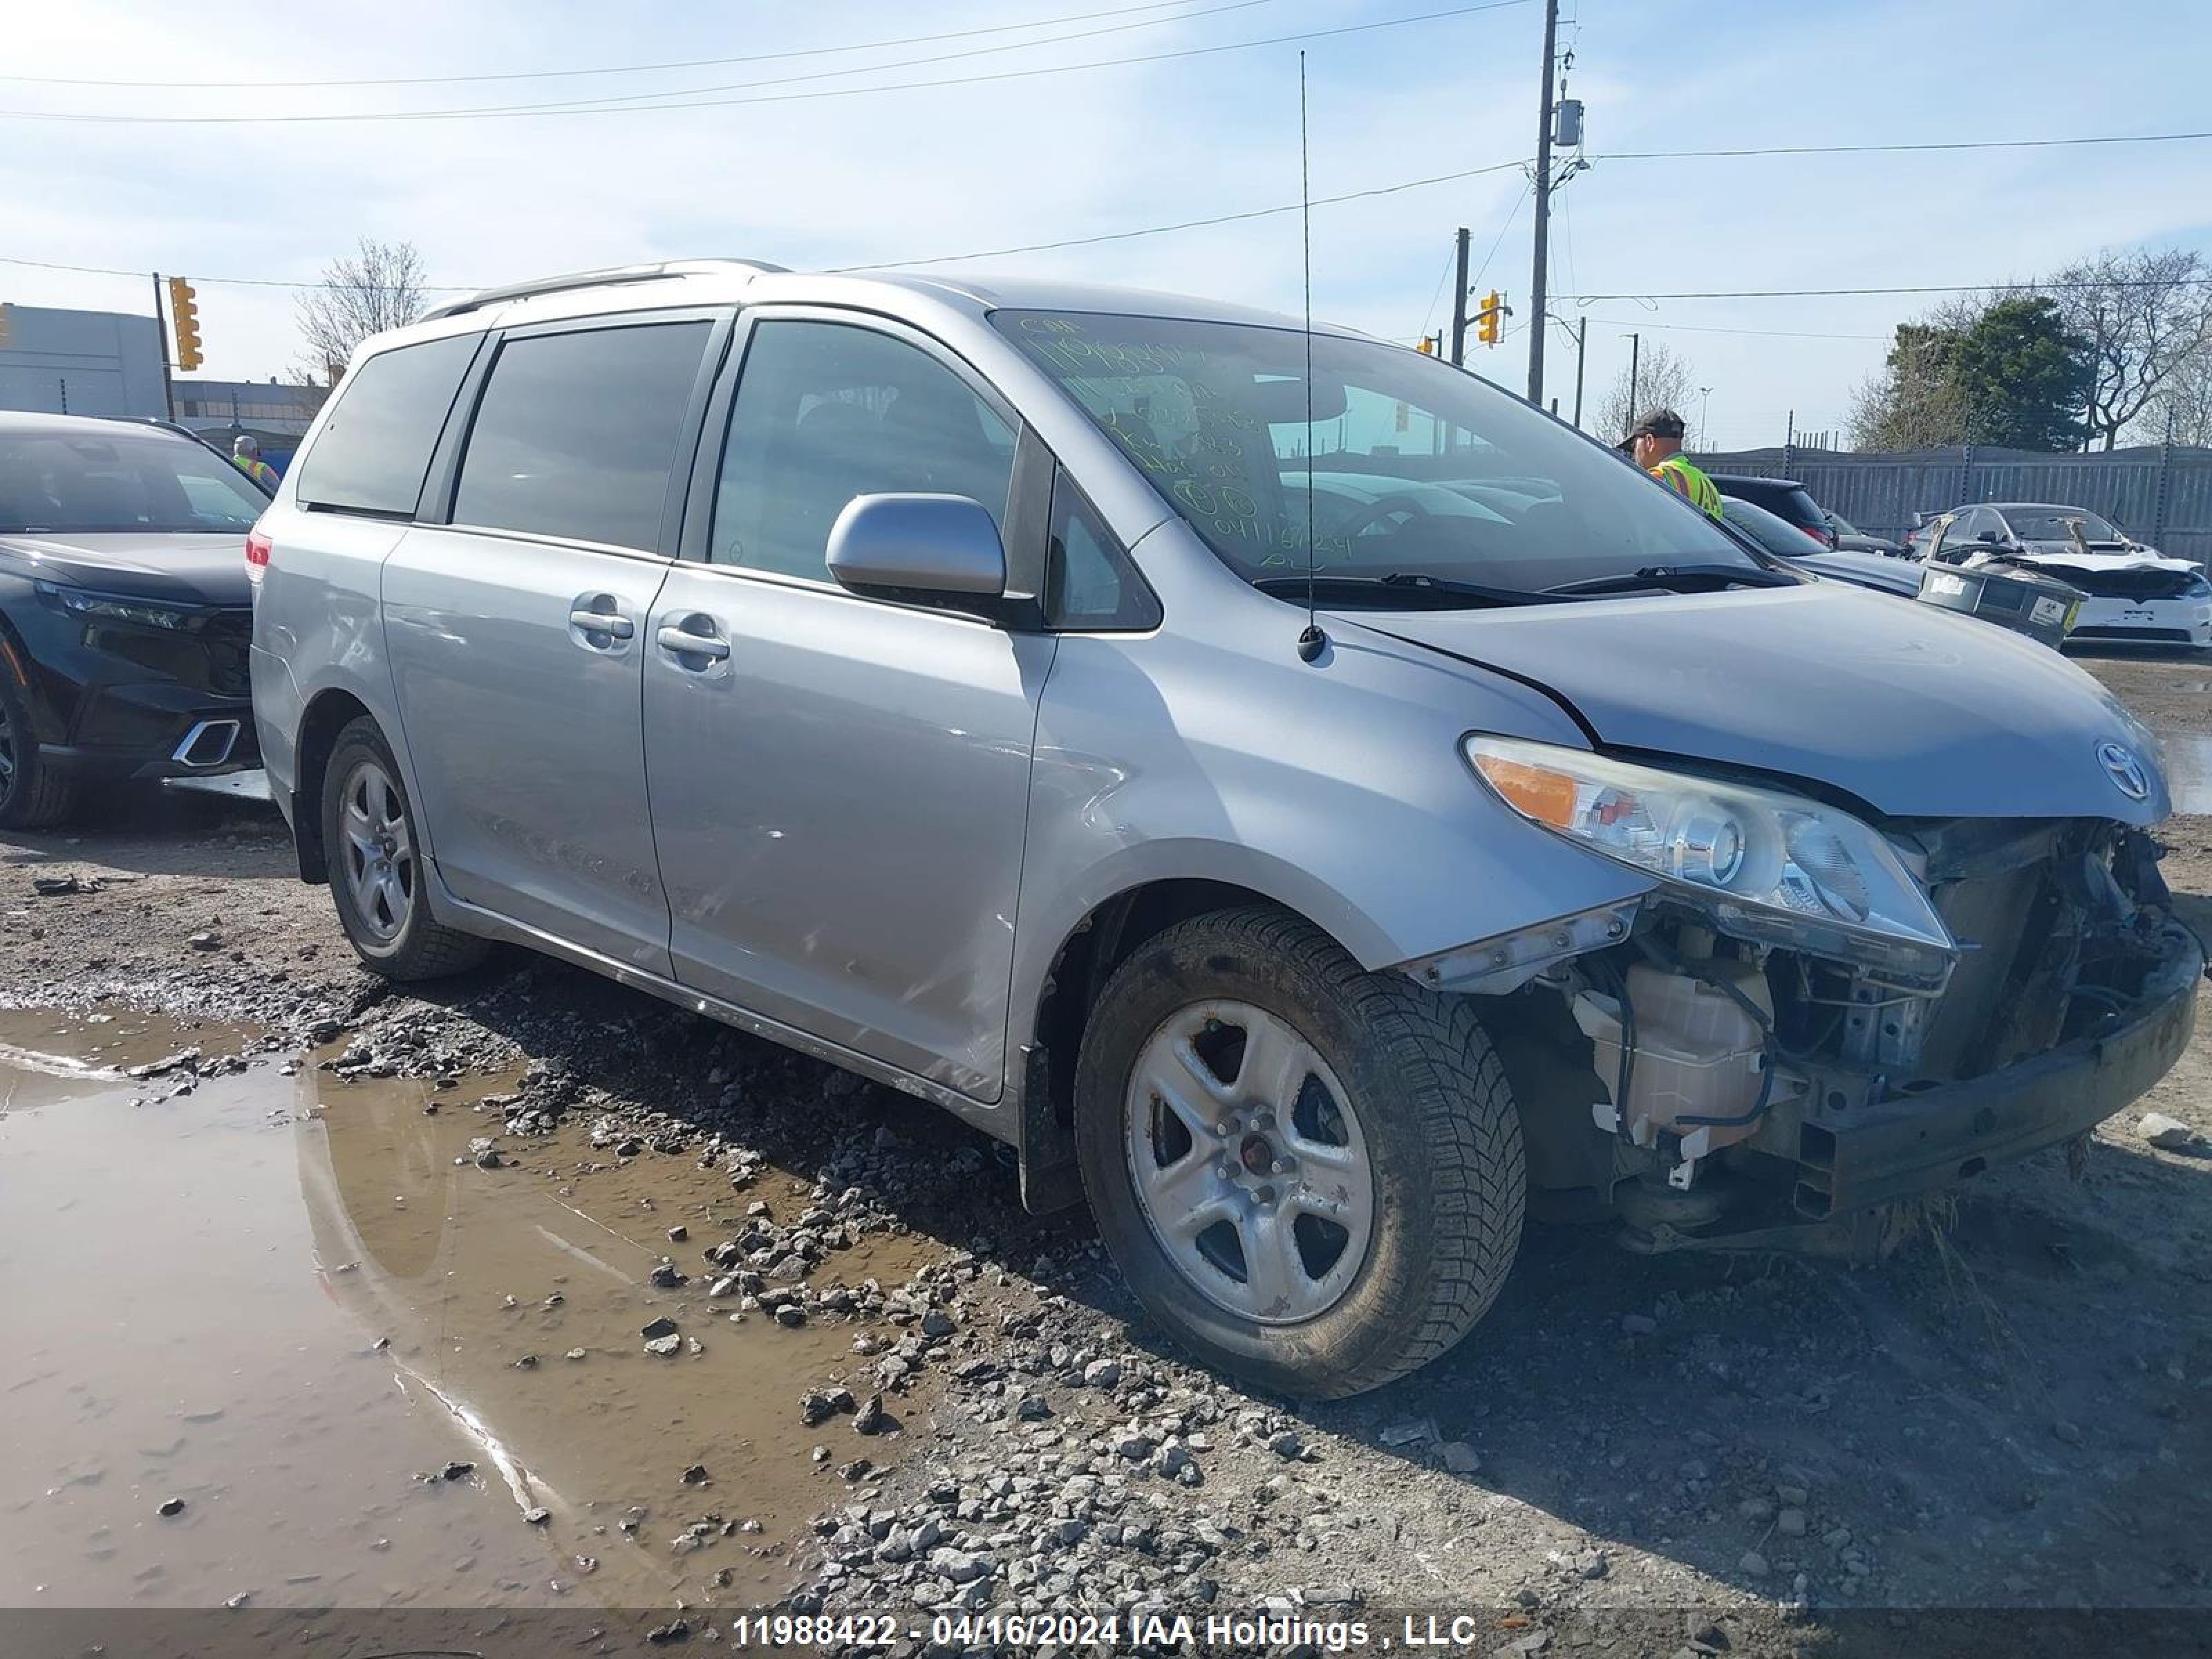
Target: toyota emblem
(2125,771)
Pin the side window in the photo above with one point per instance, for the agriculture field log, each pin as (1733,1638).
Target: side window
(576,433)
(1089,580)
(826,411)
(373,451)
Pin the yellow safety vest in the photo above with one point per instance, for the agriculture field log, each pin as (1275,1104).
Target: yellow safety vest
(256,469)
(1678,475)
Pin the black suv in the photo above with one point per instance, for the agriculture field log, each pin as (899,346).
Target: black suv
(125,611)
(1785,498)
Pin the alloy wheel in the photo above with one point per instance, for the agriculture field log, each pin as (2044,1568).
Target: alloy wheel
(378,853)
(1248,1163)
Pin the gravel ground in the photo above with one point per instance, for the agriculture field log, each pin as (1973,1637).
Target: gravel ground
(2011,1413)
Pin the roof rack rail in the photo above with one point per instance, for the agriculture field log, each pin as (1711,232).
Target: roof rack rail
(606,279)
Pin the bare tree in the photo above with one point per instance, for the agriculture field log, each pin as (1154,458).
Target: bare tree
(1662,380)
(1916,402)
(2184,409)
(379,286)
(2146,315)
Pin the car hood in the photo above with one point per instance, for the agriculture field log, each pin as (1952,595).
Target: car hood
(187,568)
(1912,710)
(2105,556)
(1865,569)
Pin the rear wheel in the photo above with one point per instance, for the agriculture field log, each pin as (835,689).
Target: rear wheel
(1311,1174)
(376,872)
(33,794)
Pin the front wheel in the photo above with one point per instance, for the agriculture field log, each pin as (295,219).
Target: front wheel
(32,795)
(1311,1174)
(372,843)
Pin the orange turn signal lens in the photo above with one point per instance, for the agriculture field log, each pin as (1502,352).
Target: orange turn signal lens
(1535,792)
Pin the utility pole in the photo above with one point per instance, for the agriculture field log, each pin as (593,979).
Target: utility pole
(1459,305)
(1582,333)
(1536,295)
(1704,408)
(161,328)
(1635,346)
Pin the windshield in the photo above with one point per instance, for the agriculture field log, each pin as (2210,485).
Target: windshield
(1418,469)
(2048,524)
(85,483)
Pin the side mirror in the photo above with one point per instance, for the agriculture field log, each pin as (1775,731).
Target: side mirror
(924,546)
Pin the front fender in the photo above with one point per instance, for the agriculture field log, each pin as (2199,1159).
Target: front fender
(1338,791)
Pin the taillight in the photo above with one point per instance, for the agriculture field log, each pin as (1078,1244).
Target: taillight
(1820,536)
(257,548)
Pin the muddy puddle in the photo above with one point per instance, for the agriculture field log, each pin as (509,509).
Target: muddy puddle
(293,1304)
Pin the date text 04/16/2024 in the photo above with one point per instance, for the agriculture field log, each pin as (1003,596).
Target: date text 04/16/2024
(1165,1631)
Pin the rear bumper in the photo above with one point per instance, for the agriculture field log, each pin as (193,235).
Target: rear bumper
(1924,1143)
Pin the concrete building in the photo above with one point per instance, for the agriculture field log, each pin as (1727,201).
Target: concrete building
(277,415)
(80,362)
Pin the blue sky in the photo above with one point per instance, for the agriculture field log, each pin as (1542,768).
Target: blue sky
(912,174)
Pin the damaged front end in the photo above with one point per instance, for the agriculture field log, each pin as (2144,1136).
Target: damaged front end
(1811,1017)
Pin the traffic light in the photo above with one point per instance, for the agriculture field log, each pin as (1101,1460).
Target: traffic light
(1493,307)
(1427,347)
(184,318)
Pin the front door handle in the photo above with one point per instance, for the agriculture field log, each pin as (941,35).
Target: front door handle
(685,643)
(602,622)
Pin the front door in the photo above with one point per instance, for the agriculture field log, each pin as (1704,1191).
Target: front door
(840,784)
(518,632)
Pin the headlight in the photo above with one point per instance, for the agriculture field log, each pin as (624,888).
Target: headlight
(2197,588)
(1764,866)
(119,607)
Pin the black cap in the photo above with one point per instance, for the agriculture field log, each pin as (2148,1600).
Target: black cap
(1657,423)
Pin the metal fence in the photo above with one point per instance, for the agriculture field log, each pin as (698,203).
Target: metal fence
(2159,494)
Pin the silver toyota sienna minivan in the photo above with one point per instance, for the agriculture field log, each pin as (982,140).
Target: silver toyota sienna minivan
(1311,803)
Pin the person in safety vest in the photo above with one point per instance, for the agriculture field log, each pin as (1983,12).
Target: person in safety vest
(1656,441)
(246,455)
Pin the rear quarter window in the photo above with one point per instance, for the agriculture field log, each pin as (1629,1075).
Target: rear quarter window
(375,446)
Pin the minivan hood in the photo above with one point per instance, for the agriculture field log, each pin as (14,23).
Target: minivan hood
(1914,711)
(188,568)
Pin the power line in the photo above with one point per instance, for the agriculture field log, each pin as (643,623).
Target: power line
(607,69)
(1848,292)
(1883,149)
(1186,224)
(682,101)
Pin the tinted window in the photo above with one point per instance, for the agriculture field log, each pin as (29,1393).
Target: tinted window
(1089,581)
(375,446)
(1776,535)
(825,412)
(87,479)
(576,433)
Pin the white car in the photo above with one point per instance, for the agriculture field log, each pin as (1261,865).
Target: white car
(2135,593)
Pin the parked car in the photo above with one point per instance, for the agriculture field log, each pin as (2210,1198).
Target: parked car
(1785,541)
(1850,539)
(2133,594)
(123,610)
(1785,498)
(922,674)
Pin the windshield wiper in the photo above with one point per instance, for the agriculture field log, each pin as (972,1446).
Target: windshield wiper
(1400,587)
(1679,579)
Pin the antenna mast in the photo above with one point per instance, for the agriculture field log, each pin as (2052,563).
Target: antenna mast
(1312,642)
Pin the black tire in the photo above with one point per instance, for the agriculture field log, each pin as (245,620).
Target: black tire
(419,945)
(33,794)
(1442,1138)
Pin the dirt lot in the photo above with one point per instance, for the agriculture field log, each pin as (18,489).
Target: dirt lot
(374,1286)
